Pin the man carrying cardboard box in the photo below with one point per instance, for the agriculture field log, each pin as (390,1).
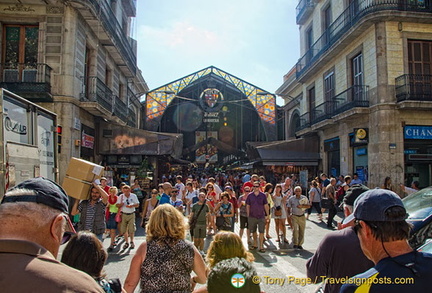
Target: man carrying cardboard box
(92,211)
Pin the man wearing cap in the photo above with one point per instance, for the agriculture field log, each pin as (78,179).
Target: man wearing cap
(92,211)
(34,223)
(383,233)
(330,258)
(296,207)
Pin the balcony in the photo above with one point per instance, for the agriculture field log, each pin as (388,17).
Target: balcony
(31,81)
(120,109)
(130,7)
(304,121)
(355,96)
(113,37)
(414,87)
(98,99)
(356,11)
(304,10)
(322,112)
(132,121)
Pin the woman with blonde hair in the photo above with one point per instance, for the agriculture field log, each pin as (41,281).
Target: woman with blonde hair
(225,245)
(165,255)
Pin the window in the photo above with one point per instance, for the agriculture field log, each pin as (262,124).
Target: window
(329,91)
(311,95)
(327,18)
(20,51)
(420,68)
(309,43)
(357,77)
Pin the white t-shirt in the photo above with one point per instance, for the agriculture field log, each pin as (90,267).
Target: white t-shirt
(180,187)
(132,199)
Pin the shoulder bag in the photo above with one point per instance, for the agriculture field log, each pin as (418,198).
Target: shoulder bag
(118,216)
(145,220)
(194,219)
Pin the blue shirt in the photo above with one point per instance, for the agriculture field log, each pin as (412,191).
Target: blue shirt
(164,198)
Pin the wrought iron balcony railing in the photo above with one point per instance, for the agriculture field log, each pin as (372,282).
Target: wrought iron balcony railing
(98,92)
(28,80)
(304,121)
(413,87)
(350,17)
(355,96)
(303,10)
(132,121)
(120,108)
(322,112)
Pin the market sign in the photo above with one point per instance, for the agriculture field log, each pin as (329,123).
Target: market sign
(418,132)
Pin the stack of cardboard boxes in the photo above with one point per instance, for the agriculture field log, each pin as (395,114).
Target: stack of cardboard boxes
(79,177)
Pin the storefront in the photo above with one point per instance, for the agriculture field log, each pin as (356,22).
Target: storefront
(332,150)
(418,154)
(359,142)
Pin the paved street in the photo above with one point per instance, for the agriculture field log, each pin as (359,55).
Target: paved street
(280,262)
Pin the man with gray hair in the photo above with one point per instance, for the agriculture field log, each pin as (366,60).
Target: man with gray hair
(34,223)
(297,205)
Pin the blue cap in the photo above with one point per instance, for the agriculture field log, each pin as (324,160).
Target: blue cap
(47,192)
(372,205)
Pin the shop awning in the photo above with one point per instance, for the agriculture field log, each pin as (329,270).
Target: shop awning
(124,140)
(297,152)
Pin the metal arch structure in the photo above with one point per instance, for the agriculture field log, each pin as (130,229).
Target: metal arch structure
(160,98)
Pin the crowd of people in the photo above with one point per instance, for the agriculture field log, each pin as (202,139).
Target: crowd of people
(35,222)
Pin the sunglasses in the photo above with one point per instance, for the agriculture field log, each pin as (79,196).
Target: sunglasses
(70,230)
(127,201)
(256,186)
(154,193)
(174,191)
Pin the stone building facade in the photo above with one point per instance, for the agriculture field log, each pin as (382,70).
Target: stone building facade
(363,86)
(76,58)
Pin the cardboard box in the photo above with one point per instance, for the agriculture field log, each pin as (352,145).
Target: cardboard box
(77,188)
(84,170)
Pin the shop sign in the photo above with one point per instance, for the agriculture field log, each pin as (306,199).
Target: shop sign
(361,136)
(211,117)
(418,132)
(361,151)
(409,152)
(87,141)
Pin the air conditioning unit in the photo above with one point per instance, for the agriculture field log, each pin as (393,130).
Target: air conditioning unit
(29,75)
(10,75)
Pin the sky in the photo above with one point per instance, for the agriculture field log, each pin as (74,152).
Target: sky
(255,40)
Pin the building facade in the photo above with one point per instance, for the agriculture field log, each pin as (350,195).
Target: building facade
(363,86)
(76,58)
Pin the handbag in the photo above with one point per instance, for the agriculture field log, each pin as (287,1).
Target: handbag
(278,211)
(326,203)
(118,217)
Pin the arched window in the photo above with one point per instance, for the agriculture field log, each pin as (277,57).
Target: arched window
(294,124)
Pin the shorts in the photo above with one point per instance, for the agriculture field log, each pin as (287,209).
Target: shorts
(243,222)
(128,223)
(200,231)
(253,223)
(111,223)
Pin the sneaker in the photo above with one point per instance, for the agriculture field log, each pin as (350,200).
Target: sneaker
(126,245)
(299,247)
(132,245)
(295,246)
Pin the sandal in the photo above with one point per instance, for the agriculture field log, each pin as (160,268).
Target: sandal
(126,245)
(252,247)
(132,245)
(262,250)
